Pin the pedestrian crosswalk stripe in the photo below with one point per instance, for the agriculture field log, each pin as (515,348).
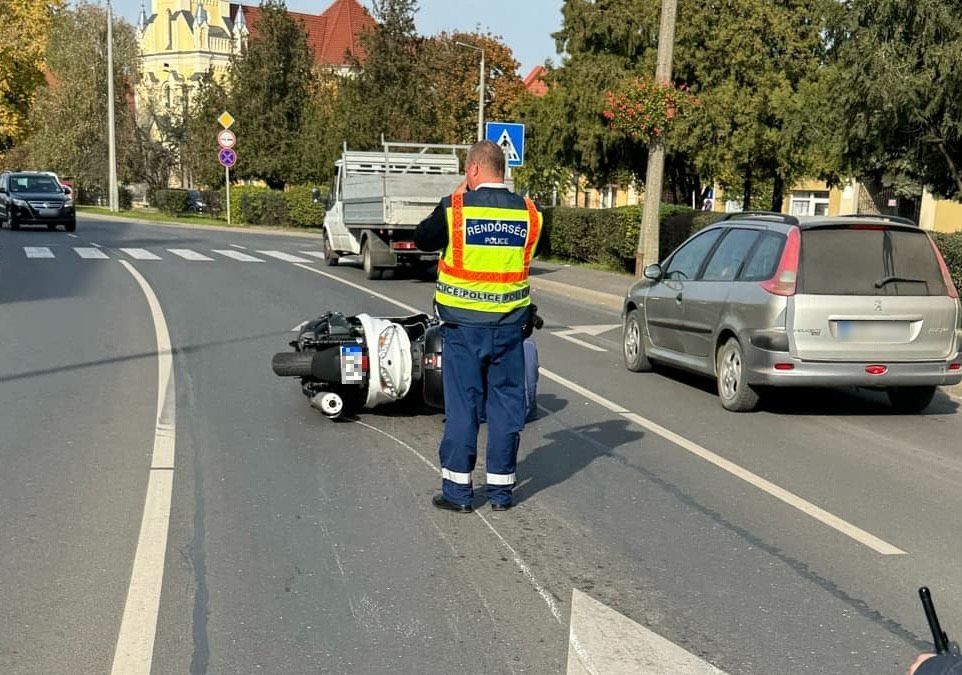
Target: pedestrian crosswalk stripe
(286,257)
(313,254)
(187,254)
(41,252)
(140,254)
(237,255)
(91,253)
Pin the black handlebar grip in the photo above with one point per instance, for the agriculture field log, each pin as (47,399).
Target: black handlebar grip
(939,638)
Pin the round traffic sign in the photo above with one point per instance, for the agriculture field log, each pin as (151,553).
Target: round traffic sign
(226,139)
(227,157)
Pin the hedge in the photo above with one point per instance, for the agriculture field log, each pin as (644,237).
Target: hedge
(951,247)
(255,205)
(610,236)
(171,202)
(302,210)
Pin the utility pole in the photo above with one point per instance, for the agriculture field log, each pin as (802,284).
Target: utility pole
(481,89)
(647,251)
(111,124)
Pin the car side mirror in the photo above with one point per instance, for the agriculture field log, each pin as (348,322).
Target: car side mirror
(315,195)
(67,191)
(654,272)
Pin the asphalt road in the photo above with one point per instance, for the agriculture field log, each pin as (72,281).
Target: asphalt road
(299,545)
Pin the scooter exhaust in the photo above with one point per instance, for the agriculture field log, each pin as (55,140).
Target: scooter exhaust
(329,403)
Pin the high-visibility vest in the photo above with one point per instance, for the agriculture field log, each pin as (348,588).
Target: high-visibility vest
(485,265)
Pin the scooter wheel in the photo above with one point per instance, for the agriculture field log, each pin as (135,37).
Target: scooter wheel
(329,403)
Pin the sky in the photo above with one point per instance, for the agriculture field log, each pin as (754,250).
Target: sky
(525,25)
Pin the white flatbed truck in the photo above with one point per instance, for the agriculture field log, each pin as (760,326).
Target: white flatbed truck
(378,198)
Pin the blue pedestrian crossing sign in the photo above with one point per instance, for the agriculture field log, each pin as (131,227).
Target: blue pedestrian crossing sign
(510,138)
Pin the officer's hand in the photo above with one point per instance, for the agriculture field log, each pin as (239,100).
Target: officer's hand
(919,660)
(462,187)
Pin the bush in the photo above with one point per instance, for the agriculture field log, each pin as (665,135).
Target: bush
(951,247)
(171,202)
(263,206)
(125,198)
(88,195)
(302,210)
(610,236)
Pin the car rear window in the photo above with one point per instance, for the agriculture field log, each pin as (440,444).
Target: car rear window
(868,261)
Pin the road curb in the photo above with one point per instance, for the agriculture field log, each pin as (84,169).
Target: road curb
(213,228)
(606,300)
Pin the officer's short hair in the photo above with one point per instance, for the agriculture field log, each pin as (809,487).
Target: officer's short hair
(488,155)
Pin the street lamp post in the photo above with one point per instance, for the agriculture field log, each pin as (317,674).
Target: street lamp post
(111,124)
(480,90)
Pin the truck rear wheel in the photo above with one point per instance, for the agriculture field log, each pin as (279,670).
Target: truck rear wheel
(370,271)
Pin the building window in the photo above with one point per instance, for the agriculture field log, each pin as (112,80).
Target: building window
(809,204)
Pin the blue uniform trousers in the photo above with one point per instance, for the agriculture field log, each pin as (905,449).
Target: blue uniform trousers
(472,357)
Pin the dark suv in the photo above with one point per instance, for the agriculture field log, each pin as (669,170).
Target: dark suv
(35,198)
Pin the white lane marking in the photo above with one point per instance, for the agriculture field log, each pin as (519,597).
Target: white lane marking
(138,627)
(243,248)
(286,257)
(602,640)
(413,310)
(566,335)
(518,560)
(140,254)
(90,253)
(38,252)
(236,255)
(95,245)
(595,330)
(72,236)
(826,518)
(314,254)
(187,254)
(780,493)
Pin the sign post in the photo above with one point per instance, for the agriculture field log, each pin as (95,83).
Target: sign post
(226,155)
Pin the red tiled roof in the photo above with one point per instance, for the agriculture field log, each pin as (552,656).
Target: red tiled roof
(331,34)
(534,82)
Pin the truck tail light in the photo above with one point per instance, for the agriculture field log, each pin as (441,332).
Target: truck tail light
(403,246)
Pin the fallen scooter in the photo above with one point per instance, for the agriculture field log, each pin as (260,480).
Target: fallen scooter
(349,363)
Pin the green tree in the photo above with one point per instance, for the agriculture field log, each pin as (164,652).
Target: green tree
(68,121)
(210,99)
(389,96)
(898,91)
(269,85)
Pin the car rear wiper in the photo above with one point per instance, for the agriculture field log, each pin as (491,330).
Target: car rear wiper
(893,279)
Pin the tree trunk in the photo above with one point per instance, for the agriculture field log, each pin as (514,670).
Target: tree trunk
(747,191)
(778,194)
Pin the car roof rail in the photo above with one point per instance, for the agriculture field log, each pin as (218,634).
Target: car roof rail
(761,215)
(901,220)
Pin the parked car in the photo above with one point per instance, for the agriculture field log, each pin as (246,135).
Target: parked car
(196,203)
(35,198)
(768,300)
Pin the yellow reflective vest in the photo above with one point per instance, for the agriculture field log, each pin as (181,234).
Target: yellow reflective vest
(485,264)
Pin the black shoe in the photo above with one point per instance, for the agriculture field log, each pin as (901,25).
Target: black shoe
(500,507)
(440,502)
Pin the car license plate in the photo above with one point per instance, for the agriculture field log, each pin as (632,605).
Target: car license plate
(48,213)
(352,364)
(871,331)
(426,258)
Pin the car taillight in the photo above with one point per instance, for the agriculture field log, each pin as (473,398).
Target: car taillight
(786,276)
(876,370)
(955,366)
(403,245)
(946,275)
(784,366)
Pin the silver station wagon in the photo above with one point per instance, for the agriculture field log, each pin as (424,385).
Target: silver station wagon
(768,300)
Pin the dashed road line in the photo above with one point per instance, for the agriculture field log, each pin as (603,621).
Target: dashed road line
(286,257)
(91,253)
(38,252)
(314,254)
(139,254)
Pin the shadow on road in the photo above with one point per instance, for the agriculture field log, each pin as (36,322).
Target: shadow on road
(568,451)
(178,351)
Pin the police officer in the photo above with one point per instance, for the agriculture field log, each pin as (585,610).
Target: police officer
(487,235)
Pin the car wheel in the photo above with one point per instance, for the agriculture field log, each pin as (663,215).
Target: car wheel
(12,222)
(910,399)
(330,257)
(735,394)
(51,227)
(71,226)
(370,271)
(633,344)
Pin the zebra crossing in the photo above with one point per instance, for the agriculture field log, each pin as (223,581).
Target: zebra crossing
(97,252)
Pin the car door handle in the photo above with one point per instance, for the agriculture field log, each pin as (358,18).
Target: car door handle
(679,298)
